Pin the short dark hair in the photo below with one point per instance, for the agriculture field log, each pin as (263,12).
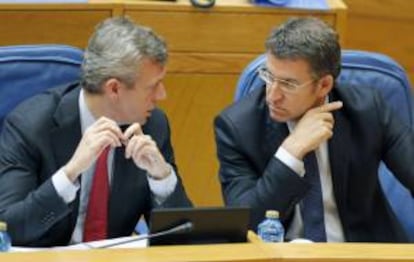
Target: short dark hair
(310,39)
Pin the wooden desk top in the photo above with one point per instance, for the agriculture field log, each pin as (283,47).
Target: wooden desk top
(253,252)
(340,252)
(234,252)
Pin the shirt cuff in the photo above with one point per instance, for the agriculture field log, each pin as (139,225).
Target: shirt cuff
(292,162)
(64,187)
(162,188)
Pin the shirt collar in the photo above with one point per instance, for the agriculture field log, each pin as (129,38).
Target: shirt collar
(86,116)
(292,124)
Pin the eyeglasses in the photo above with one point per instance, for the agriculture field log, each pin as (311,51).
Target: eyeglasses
(284,85)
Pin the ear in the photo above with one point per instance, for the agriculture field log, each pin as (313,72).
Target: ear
(112,87)
(325,84)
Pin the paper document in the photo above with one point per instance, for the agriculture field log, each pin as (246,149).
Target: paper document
(140,243)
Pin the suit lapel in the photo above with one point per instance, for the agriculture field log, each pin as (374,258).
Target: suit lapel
(272,135)
(66,135)
(339,157)
(129,183)
(275,133)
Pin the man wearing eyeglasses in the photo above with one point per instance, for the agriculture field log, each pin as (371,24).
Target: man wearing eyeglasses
(311,149)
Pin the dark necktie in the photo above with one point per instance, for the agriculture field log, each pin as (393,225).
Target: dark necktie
(312,204)
(96,221)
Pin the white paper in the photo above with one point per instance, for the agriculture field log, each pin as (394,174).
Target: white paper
(138,242)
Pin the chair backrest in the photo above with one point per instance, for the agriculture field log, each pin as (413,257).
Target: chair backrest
(364,68)
(26,70)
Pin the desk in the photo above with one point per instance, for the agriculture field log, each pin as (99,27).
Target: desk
(340,252)
(247,252)
(70,24)
(383,26)
(208,50)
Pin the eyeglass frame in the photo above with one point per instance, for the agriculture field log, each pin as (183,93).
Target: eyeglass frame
(284,85)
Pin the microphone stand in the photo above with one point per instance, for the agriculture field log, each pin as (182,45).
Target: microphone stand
(185,227)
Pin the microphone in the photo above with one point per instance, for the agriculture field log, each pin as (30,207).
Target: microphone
(182,228)
(203,3)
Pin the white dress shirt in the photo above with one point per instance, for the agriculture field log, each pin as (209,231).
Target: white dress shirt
(333,226)
(160,189)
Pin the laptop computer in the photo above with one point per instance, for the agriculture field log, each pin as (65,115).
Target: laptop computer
(208,225)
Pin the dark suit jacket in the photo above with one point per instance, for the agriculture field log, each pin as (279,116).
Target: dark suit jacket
(38,138)
(365,132)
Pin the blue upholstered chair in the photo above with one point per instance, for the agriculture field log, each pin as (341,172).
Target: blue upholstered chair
(362,68)
(30,69)
(26,70)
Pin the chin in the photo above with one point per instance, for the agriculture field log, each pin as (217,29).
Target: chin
(279,117)
(142,121)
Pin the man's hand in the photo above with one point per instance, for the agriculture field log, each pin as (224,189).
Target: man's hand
(144,151)
(312,129)
(101,134)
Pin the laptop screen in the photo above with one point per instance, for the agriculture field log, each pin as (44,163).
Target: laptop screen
(209,225)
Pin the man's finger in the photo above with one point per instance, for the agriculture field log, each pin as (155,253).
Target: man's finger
(135,144)
(329,107)
(103,124)
(134,129)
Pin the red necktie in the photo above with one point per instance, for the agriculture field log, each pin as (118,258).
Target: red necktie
(95,227)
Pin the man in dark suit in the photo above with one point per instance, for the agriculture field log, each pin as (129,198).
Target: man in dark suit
(50,144)
(268,141)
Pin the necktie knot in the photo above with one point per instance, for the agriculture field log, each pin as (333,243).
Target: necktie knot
(124,127)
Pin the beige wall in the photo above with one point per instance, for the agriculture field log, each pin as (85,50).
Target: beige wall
(385,26)
(208,48)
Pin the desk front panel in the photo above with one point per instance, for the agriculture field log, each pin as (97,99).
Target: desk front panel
(383,26)
(208,50)
(50,23)
(216,32)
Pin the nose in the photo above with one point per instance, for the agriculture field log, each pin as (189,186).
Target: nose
(160,92)
(274,93)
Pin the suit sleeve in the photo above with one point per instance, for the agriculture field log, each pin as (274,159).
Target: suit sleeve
(398,144)
(245,184)
(178,197)
(29,207)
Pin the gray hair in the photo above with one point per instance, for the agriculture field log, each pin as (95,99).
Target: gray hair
(310,39)
(116,50)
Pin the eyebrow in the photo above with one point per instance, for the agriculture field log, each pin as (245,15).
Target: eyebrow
(290,80)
